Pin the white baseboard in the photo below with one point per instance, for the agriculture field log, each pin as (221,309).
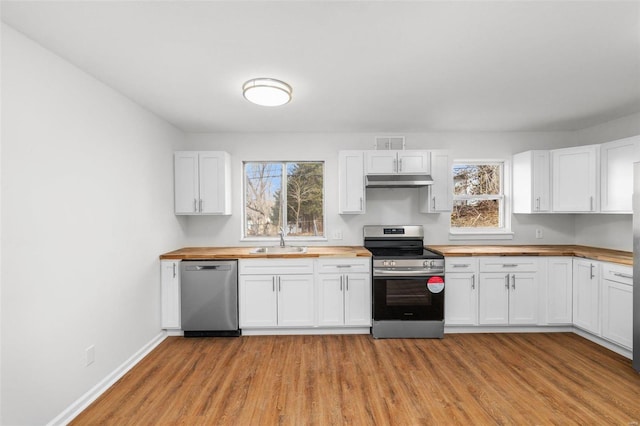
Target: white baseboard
(85,400)
(304,331)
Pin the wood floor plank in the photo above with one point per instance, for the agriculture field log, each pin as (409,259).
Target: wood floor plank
(555,378)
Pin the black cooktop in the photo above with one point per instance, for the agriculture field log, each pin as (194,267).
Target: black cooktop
(396,253)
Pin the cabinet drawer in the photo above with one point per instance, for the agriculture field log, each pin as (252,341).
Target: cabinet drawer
(619,273)
(344,265)
(460,264)
(275,266)
(508,264)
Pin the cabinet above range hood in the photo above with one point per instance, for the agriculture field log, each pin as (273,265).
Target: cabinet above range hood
(398,181)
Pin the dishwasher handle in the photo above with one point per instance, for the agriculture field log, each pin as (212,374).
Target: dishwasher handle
(208,267)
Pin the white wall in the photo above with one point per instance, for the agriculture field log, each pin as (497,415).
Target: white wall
(384,206)
(86,210)
(609,231)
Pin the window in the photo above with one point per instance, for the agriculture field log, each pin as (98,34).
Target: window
(283,195)
(479,205)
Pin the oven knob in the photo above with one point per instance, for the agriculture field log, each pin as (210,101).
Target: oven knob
(428,264)
(385,263)
(393,263)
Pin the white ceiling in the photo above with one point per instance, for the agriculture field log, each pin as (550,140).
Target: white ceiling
(359,66)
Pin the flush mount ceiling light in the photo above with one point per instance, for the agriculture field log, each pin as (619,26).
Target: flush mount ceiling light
(267,91)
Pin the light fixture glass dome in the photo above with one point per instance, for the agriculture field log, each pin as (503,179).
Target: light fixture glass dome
(267,91)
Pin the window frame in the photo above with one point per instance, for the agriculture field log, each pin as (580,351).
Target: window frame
(243,229)
(504,231)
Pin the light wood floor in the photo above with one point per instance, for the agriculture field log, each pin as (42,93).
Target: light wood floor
(471,379)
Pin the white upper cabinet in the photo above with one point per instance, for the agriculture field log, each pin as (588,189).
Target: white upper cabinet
(575,179)
(532,182)
(438,197)
(616,174)
(202,182)
(403,162)
(351,190)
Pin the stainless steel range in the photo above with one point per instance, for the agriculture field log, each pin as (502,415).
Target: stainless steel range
(408,283)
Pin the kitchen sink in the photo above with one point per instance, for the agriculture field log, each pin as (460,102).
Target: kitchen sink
(279,250)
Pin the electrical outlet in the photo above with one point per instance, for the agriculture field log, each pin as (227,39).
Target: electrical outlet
(538,233)
(337,235)
(90,355)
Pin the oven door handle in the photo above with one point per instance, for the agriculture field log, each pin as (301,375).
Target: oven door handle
(407,274)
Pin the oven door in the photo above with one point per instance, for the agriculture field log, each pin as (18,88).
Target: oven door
(405,298)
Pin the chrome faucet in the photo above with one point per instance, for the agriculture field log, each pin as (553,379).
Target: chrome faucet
(281,237)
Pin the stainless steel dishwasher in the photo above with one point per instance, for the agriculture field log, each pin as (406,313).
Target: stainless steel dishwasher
(209,298)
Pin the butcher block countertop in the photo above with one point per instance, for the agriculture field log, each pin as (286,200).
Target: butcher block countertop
(245,253)
(605,255)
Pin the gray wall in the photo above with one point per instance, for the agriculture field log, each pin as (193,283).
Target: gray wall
(86,210)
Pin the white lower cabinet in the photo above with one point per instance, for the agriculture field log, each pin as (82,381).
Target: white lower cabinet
(344,292)
(559,290)
(617,304)
(170,294)
(276,293)
(586,295)
(508,291)
(461,291)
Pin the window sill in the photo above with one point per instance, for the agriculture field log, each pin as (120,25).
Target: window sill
(287,240)
(455,236)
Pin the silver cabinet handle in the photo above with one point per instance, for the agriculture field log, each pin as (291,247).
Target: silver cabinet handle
(195,205)
(460,265)
(513,281)
(537,203)
(279,284)
(591,203)
(434,202)
(617,274)
(273,283)
(395,165)
(591,271)
(341,277)
(473,281)
(347,279)
(344,266)
(174,269)
(509,265)
(361,203)
(506,281)
(400,168)
(200,205)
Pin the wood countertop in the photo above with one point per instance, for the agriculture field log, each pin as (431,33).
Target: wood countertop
(595,253)
(245,253)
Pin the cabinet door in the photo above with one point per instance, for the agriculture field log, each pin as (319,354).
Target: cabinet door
(258,301)
(559,292)
(296,303)
(541,179)
(186,190)
(414,162)
(586,293)
(381,162)
(213,169)
(357,299)
(331,299)
(170,293)
(438,197)
(351,182)
(494,298)
(461,299)
(575,179)
(523,298)
(616,172)
(617,312)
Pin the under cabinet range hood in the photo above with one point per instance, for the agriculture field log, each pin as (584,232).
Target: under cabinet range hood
(397,181)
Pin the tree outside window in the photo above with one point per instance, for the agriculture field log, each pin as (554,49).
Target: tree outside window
(284,195)
(478,197)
